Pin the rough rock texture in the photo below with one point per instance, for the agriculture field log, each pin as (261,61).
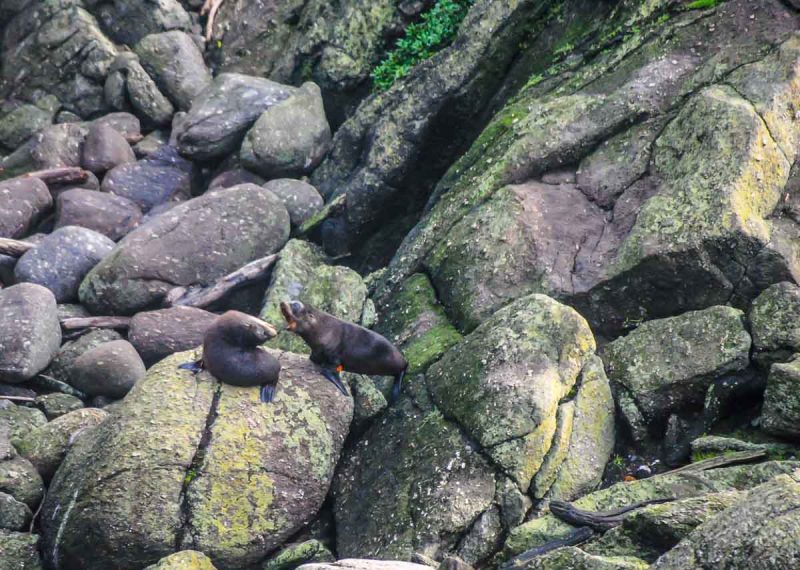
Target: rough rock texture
(366,564)
(56,404)
(781,410)
(703,225)
(667,365)
(19,551)
(775,323)
(105,148)
(14,515)
(290,138)
(128,22)
(19,478)
(198,241)
(175,62)
(296,554)
(25,201)
(62,259)
(300,198)
(46,446)
(129,86)
(157,334)
(17,421)
(60,366)
(758,532)
(184,560)
(303,273)
(30,335)
(205,466)
(149,182)
(110,369)
(20,124)
(572,558)
(221,115)
(111,215)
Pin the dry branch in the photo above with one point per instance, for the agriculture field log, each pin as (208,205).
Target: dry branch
(74,323)
(14,247)
(62,175)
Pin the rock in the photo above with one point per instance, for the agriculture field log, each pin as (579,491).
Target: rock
(667,365)
(125,123)
(19,478)
(62,260)
(221,115)
(14,515)
(300,198)
(367,564)
(56,405)
(303,273)
(416,322)
(296,554)
(176,63)
(290,138)
(25,202)
(750,534)
(197,242)
(19,551)
(129,82)
(60,366)
(105,148)
(148,183)
(774,323)
(30,335)
(151,143)
(479,543)
(46,446)
(454,563)
(20,124)
(8,263)
(110,370)
(108,214)
(235,177)
(436,477)
(157,334)
(184,560)
(128,22)
(17,421)
(571,557)
(58,145)
(710,445)
(780,414)
(235,498)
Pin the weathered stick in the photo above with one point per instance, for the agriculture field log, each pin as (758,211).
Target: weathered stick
(18,398)
(62,175)
(577,536)
(210,7)
(599,521)
(45,382)
(726,460)
(73,323)
(201,297)
(14,247)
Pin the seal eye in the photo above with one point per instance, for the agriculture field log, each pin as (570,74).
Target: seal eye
(297,307)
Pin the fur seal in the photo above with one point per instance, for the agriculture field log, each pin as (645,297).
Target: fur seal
(337,346)
(231,353)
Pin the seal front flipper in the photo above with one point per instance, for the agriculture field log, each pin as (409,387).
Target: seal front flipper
(195,367)
(267,393)
(398,384)
(335,379)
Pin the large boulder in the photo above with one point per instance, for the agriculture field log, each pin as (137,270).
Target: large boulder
(110,370)
(20,124)
(127,22)
(61,365)
(775,323)
(185,462)
(290,138)
(300,198)
(129,85)
(176,63)
(149,182)
(667,365)
(780,413)
(62,259)
(197,242)
(30,335)
(25,202)
(20,479)
(157,334)
(184,560)
(111,215)
(20,551)
(14,515)
(105,148)
(222,113)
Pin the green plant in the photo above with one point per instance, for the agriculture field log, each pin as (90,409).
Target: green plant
(702,4)
(435,31)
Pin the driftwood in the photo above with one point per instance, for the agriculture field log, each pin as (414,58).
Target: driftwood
(18,398)
(577,536)
(44,382)
(210,7)
(201,297)
(62,175)
(14,247)
(727,460)
(599,521)
(73,323)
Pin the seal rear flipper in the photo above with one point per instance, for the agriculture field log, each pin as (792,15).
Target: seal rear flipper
(194,367)
(335,379)
(398,384)
(267,393)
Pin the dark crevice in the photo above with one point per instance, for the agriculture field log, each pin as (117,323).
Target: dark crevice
(194,471)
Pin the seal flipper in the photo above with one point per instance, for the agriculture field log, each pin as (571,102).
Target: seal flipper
(398,384)
(267,393)
(335,379)
(195,366)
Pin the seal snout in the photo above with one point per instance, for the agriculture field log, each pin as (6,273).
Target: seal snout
(290,312)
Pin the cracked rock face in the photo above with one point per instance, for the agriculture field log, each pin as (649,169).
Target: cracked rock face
(187,463)
(194,243)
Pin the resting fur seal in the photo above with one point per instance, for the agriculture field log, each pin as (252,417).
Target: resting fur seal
(337,345)
(231,353)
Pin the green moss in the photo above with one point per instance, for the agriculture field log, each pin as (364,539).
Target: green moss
(702,4)
(435,31)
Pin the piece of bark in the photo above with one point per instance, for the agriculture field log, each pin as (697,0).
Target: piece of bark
(95,322)
(62,175)
(14,247)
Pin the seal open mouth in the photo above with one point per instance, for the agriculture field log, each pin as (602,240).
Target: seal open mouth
(288,314)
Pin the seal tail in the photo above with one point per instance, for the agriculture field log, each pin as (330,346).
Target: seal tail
(267,393)
(397,386)
(195,366)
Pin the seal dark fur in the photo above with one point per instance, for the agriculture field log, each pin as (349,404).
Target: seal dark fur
(232,355)
(337,345)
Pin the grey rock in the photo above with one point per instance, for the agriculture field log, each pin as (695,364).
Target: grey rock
(60,366)
(780,414)
(151,143)
(30,335)
(62,260)
(105,213)
(110,369)
(157,334)
(19,551)
(17,421)
(56,405)
(235,177)
(19,478)
(105,148)
(148,183)
(20,124)
(221,115)
(128,21)
(300,198)
(775,323)
(363,564)
(14,515)
(290,138)
(25,201)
